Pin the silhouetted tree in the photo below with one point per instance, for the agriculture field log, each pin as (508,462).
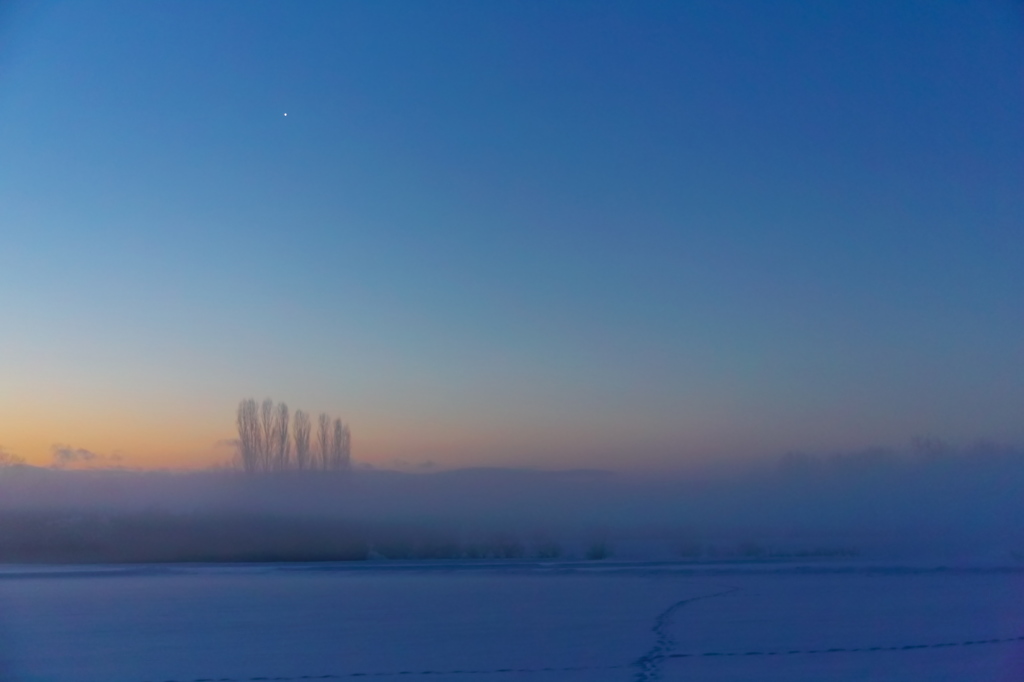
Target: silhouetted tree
(340,447)
(267,436)
(300,429)
(282,445)
(248,435)
(265,439)
(323,439)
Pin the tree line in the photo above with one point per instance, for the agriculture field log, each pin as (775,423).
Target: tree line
(268,441)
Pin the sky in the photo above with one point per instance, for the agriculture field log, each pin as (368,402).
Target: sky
(541,234)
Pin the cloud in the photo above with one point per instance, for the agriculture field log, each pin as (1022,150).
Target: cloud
(410,465)
(226,443)
(67,456)
(9,459)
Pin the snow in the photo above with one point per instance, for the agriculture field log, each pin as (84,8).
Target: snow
(511,621)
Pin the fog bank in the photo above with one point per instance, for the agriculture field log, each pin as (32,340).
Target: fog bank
(877,504)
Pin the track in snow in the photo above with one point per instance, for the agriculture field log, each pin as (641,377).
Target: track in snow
(650,663)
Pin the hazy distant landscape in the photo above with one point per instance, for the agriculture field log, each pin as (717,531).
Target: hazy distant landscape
(932,505)
(877,565)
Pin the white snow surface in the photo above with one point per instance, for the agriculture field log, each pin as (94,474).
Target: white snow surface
(512,621)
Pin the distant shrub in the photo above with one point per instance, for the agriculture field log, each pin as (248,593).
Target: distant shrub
(475,551)
(507,547)
(751,550)
(54,537)
(548,550)
(691,550)
(598,551)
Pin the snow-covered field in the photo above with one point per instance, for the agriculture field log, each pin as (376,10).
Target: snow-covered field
(512,621)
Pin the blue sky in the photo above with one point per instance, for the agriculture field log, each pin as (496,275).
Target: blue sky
(517,233)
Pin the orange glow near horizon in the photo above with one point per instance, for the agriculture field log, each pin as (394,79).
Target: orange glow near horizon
(199,435)
(138,444)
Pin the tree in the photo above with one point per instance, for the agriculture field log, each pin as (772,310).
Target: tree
(266,437)
(248,435)
(340,446)
(282,446)
(323,437)
(300,429)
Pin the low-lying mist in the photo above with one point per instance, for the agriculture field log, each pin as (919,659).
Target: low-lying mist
(931,504)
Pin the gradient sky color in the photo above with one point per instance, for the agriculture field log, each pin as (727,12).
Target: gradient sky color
(552,234)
